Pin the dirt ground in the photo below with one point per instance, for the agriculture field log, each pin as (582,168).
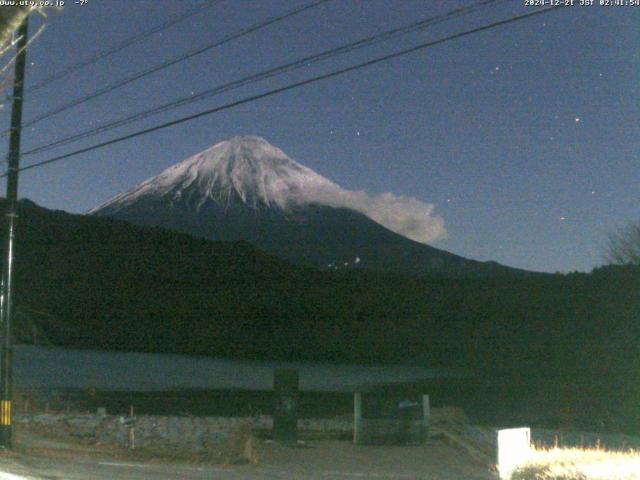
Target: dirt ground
(435,460)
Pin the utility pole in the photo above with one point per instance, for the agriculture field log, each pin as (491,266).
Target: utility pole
(6,299)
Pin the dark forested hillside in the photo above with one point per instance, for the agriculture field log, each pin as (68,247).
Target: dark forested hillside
(99,283)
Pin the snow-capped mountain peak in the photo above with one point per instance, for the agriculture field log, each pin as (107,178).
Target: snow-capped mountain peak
(245,168)
(248,173)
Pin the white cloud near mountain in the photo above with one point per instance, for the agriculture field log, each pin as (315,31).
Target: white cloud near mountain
(404,215)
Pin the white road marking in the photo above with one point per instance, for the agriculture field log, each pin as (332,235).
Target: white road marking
(126,465)
(334,473)
(11,476)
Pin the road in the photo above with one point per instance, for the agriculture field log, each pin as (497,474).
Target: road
(326,460)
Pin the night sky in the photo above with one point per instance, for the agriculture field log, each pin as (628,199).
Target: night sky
(524,137)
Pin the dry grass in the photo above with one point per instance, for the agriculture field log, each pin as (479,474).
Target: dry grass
(579,464)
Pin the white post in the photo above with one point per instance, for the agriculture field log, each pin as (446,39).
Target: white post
(514,449)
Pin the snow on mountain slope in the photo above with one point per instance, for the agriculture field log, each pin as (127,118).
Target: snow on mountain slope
(257,174)
(249,167)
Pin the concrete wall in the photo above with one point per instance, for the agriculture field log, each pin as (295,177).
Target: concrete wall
(227,439)
(390,422)
(381,431)
(199,435)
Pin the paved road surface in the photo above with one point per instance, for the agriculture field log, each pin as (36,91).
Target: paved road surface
(327,460)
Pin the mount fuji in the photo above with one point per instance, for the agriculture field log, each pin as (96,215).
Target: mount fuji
(246,189)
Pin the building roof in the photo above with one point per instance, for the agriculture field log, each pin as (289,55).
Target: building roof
(58,368)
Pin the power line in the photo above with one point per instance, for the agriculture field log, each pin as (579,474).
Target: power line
(122,45)
(173,61)
(292,86)
(304,62)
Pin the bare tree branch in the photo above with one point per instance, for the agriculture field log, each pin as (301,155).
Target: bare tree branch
(624,246)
